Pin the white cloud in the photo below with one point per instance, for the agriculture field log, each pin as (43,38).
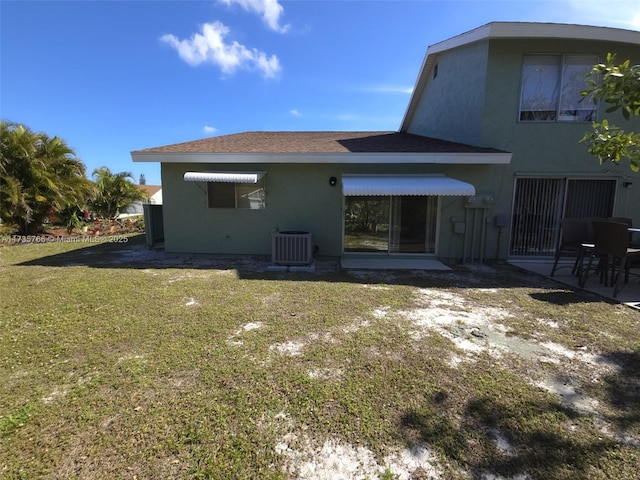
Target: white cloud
(295,113)
(270,10)
(612,13)
(208,129)
(209,47)
(390,89)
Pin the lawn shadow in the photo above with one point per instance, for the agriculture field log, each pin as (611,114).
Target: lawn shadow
(88,251)
(132,253)
(564,297)
(513,441)
(623,390)
(538,436)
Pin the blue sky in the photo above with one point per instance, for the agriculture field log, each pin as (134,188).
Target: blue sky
(114,76)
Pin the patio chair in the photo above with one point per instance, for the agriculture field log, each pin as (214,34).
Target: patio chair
(625,220)
(587,250)
(574,233)
(590,222)
(629,223)
(612,249)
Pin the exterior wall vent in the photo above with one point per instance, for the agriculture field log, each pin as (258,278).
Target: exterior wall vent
(291,248)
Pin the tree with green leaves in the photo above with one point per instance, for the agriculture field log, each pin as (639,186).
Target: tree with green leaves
(114,192)
(38,174)
(619,86)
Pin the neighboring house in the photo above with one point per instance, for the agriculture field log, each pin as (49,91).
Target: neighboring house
(154,194)
(484,166)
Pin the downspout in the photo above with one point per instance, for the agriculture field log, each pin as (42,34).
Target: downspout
(483,237)
(466,236)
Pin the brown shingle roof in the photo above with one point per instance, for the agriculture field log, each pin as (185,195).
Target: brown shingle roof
(318,142)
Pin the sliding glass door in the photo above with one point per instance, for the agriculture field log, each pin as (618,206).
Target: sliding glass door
(541,203)
(366,224)
(397,224)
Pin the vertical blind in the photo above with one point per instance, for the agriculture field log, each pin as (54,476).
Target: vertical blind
(540,204)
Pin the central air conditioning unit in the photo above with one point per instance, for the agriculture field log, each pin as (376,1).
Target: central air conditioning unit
(291,248)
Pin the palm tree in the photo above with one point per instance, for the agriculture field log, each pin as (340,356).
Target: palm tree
(114,192)
(17,147)
(37,173)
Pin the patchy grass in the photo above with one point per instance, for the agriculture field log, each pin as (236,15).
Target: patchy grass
(118,362)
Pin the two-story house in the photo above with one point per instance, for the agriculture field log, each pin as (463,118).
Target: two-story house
(486,163)
(517,87)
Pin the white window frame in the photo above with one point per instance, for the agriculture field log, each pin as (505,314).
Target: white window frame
(559,109)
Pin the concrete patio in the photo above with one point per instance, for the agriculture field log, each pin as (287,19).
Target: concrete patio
(629,295)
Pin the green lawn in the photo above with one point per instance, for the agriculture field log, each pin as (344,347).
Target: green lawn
(118,362)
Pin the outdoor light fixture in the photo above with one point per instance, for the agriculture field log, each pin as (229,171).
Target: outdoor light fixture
(333,181)
(627,184)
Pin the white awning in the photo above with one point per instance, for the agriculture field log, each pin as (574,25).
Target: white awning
(226,177)
(383,185)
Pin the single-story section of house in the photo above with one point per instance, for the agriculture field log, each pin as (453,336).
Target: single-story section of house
(338,194)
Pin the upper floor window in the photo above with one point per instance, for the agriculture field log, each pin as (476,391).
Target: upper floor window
(551,86)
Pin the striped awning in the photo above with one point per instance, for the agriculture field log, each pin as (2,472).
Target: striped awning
(226,177)
(383,185)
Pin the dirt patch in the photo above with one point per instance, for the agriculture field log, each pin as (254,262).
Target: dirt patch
(336,460)
(290,348)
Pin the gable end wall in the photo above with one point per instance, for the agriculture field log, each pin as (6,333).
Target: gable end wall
(452,104)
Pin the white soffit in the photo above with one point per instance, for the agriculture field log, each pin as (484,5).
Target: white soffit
(384,185)
(226,177)
(529,30)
